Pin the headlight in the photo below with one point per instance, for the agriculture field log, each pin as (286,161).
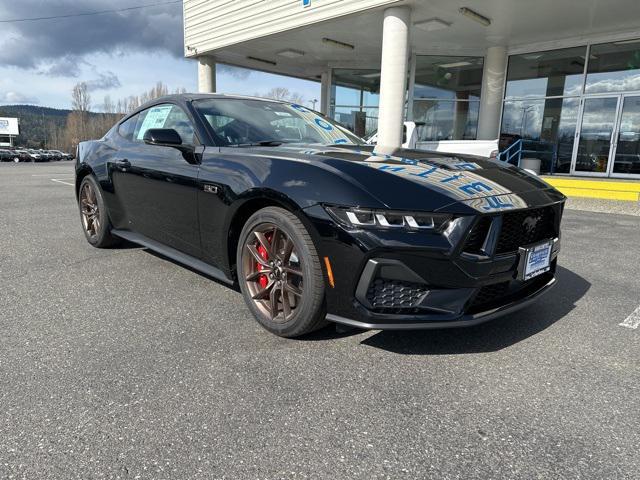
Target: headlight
(355,217)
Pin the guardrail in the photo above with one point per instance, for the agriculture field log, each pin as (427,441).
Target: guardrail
(514,150)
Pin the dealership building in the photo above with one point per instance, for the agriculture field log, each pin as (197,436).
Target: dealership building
(558,80)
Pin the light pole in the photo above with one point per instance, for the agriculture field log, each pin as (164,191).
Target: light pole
(313,102)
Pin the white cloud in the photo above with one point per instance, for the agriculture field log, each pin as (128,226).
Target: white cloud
(16,97)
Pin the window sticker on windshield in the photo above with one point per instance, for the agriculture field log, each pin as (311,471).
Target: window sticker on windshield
(156,118)
(282,114)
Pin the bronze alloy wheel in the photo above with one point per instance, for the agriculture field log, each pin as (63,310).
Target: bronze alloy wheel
(273,272)
(90,210)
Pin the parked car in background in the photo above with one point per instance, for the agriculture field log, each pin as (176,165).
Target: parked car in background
(31,157)
(61,155)
(8,156)
(48,156)
(36,156)
(55,155)
(24,155)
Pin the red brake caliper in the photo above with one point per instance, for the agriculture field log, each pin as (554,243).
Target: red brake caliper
(262,279)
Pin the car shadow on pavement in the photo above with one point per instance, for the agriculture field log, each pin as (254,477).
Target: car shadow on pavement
(493,335)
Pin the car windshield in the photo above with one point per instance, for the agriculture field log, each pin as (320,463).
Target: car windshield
(248,122)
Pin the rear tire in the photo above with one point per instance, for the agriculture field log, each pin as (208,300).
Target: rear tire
(280,273)
(94,215)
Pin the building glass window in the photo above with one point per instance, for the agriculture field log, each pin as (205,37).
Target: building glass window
(546,127)
(614,67)
(554,73)
(355,99)
(447,97)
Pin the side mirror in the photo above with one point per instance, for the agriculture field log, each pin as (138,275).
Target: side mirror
(166,137)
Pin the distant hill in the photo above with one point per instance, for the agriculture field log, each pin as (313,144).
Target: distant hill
(38,124)
(35,122)
(16,110)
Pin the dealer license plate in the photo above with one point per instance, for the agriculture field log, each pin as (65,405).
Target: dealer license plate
(535,260)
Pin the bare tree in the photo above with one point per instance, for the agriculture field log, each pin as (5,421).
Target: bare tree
(107,105)
(82,124)
(80,98)
(78,128)
(283,93)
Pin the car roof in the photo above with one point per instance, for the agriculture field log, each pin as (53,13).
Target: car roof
(188,97)
(200,96)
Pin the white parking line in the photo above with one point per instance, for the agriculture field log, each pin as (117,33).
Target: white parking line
(61,181)
(633,320)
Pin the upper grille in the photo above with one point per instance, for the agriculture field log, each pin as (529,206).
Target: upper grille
(525,227)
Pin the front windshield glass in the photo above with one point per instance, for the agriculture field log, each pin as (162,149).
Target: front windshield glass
(243,122)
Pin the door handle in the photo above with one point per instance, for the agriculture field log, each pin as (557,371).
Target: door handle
(123,164)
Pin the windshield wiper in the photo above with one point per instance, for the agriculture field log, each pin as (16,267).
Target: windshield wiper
(262,143)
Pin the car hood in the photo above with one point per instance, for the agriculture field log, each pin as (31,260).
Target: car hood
(410,178)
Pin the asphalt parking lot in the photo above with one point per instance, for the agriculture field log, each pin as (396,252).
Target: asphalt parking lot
(122,364)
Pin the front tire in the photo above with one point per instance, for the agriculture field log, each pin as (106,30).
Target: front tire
(280,273)
(94,215)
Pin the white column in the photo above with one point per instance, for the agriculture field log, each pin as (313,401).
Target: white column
(206,74)
(495,68)
(325,91)
(393,77)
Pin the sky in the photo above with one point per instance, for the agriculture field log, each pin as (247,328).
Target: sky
(116,54)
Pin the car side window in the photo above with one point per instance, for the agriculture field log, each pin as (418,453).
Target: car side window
(180,122)
(165,116)
(127,127)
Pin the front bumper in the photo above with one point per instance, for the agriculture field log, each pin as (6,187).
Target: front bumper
(411,281)
(425,321)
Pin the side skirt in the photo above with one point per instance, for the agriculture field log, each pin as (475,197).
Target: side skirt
(174,254)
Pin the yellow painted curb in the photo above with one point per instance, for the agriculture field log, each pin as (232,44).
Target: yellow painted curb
(625,191)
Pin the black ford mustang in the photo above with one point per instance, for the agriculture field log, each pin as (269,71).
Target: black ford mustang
(313,225)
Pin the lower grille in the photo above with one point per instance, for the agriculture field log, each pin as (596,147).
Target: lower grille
(488,294)
(499,294)
(391,295)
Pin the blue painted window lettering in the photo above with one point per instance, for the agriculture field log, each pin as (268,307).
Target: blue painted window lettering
(341,140)
(476,187)
(322,124)
(300,108)
(392,169)
(425,173)
(452,178)
(465,166)
(495,203)
(306,3)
